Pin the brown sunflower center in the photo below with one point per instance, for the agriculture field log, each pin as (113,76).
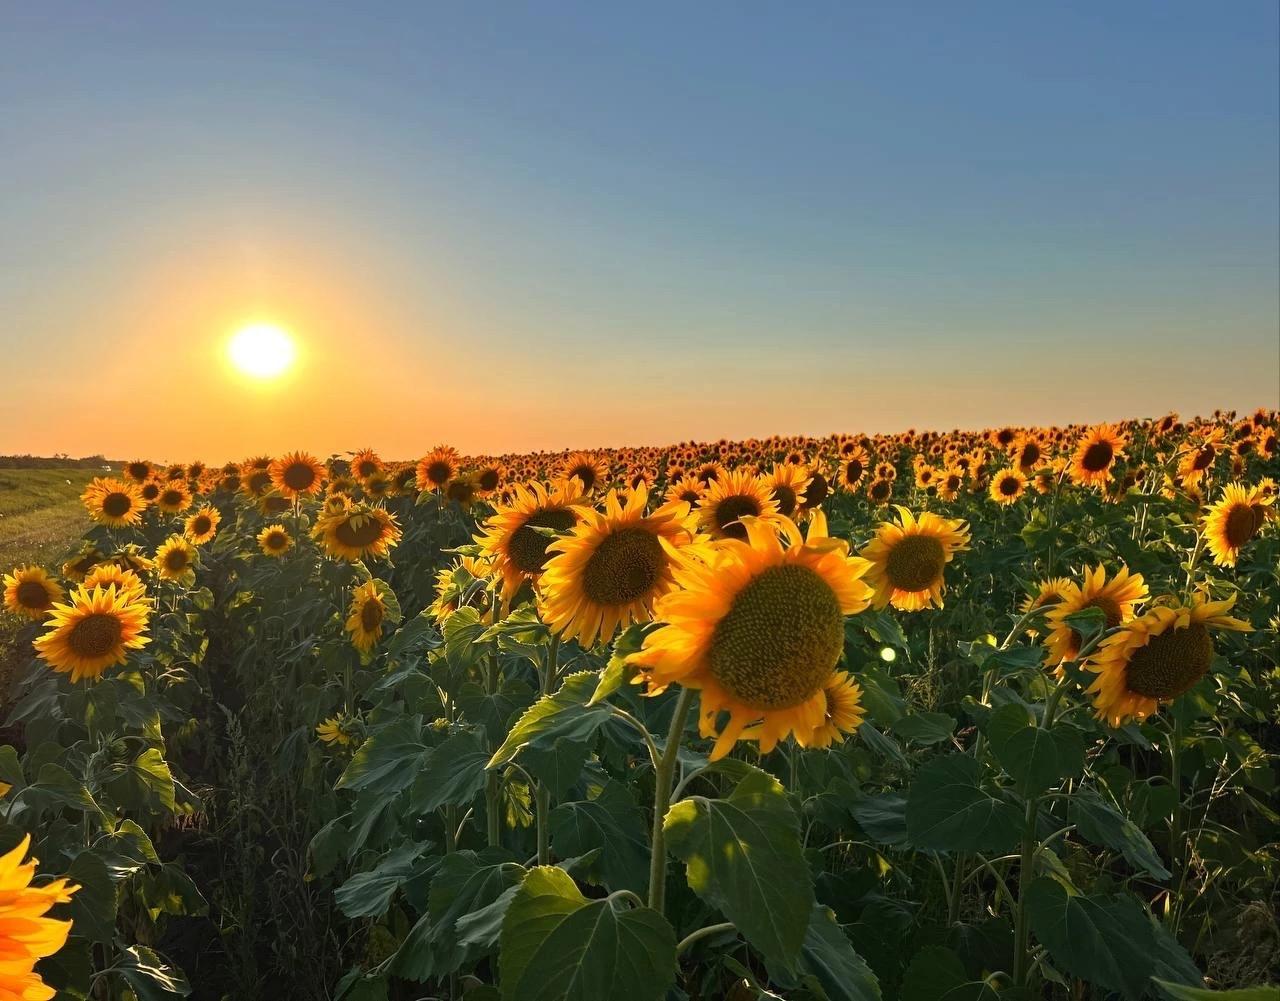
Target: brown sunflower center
(461,491)
(816,492)
(32,594)
(488,479)
(176,559)
(201,524)
(276,540)
(853,470)
(732,508)
(171,498)
(915,562)
(358,531)
(366,468)
(138,470)
(1110,608)
(438,472)
(1241,525)
(527,548)
(1097,456)
(624,567)
(879,490)
(299,476)
(150,491)
(780,639)
(95,635)
(1030,454)
(1204,458)
(1170,663)
(585,474)
(259,482)
(117,505)
(1009,486)
(786,498)
(371,615)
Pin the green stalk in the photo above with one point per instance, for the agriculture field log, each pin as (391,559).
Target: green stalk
(542,795)
(662,801)
(1176,844)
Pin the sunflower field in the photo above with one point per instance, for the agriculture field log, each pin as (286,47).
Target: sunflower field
(975,716)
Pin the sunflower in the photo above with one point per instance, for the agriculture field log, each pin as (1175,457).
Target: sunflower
(816,492)
(150,491)
(608,572)
(366,615)
(275,540)
(1027,451)
(588,468)
(256,482)
(95,629)
(437,468)
(735,495)
(342,731)
(297,474)
(1233,520)
(357,532)
(907,559)
(89,557)
(787,484)
(950,480)
(173,497)
(512,539)
(685,488)
(853,466)
(175,561)
(844,710)
(202,526)
(377,487)
(1049,592)
(111,574)
(31,592)
(462,491)
(1197,460)
(1156,657)
(26,935)
(758,627)
(489,477)
(1095,454)
(463,585)
(365,463)
(272,504)
(1116,597)
(139,470)
(114,503)
(880,490)
(1008,485)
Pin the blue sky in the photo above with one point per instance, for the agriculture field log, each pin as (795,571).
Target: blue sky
(564,224)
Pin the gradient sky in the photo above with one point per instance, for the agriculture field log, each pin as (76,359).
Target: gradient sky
(531,226)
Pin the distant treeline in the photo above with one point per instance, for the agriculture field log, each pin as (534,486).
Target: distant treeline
(53,462)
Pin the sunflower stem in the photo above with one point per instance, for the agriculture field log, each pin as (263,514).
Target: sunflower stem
(662,801)
(542,795)
(1176,845)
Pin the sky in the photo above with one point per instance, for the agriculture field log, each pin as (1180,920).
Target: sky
(532,226)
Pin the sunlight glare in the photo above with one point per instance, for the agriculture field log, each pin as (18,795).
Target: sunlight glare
(261,350)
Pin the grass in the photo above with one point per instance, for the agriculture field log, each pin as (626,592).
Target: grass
(40,520)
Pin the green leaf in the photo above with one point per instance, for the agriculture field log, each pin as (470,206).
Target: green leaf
(149,975)
(462,632)
(948,811)
(11,768)
(93,906)
(144,784)
(618,672)
(56,787)
(829,958)
(1034,758)
(611,822)
(368,894)
(356,985)
(743,857)
(937,974)
(883,817)
(1182,992)
(557,767)
(453,774)
(1101,824)
(925,728)
(169,890)
(389,760)
(494,712)
(563,714)
(558,946)
(1110,941)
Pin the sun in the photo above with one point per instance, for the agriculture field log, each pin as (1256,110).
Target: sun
(261,350)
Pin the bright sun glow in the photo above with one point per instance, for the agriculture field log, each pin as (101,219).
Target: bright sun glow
(261,350)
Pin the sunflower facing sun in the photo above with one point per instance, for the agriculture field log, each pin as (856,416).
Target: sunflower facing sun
(732,497)
(757,627)
(1117,598)
(908,558)
(92,631)
(31,592)
(114,503)
(515,536)
(1235,519)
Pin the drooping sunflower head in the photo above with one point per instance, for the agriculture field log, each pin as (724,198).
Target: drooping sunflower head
(272,504)
(787,484)
(757,625)
(28,935)
(372,607)
(356,532)
(257,483)
(95,629)
(1008,485)
(736,495)
(297,474)
(1096,454)
(114,503)
(462,491)
(516,536)
(1157,657)
(908,558)
(437,468)
(202,526)
(275,541)
(173,497)
(339,731)
(1234,520)
(31,592)
(611,568)
(176,560)
(1116,598)
(590,469)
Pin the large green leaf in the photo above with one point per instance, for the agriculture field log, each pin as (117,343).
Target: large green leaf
(389,760)
(1035,758)
(93,906)
(453,774)
(1099,823)
(613,823)
(1183,992)
(937,974)
(828,957)
(924,728)
(368,894)
(948,811)
(1111,941)
(557,945)
(562,714)
(743,857)
(149,976)
(144,784)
